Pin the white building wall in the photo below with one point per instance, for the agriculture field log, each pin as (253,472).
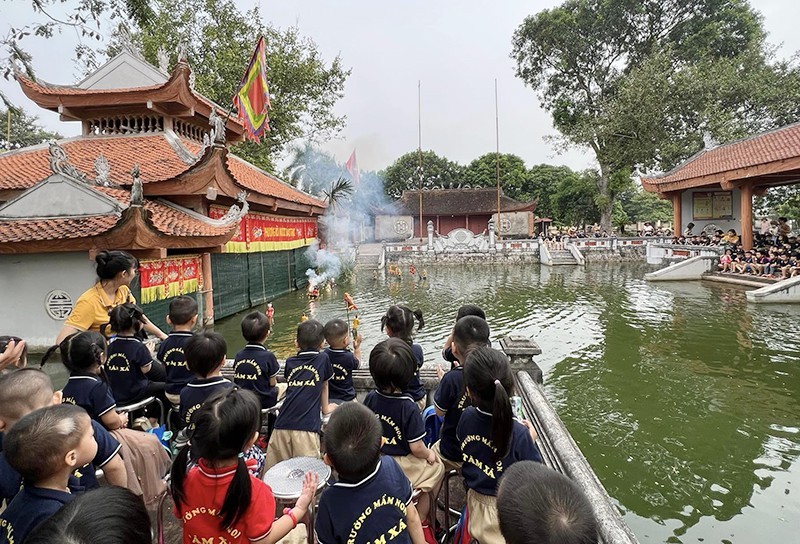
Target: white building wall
(26,281)
(724,224)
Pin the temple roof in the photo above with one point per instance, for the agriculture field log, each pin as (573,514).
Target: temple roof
(769,158)
(459,202)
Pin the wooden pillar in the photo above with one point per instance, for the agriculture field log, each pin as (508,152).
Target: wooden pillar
(208,291)
(746,209)
(466,222)
(438,226)
(677,211)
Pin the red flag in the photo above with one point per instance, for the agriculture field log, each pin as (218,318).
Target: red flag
(352,167)
(252,98)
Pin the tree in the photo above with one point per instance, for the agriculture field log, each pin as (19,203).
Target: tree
(642,206)
(219,41)
(404,173)
(25,130)
(311,169)
(541,183)
(779,202)
(482,172)
(574,199)
(638,83)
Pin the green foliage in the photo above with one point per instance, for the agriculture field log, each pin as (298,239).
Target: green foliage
(779,202)
(619,218)
(574,200)
(404,173)
(338,191)
(640,206)
(482,172)
(541,183)
(219,41)
(25,130)
(312,169)
(640,82)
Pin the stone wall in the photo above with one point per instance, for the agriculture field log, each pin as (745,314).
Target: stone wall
(405,258)
(626,253)
(391,228)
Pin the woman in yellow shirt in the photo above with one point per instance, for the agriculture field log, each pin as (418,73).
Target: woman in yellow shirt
(115,272)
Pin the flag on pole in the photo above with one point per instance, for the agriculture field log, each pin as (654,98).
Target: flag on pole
(352,167)
(252,98)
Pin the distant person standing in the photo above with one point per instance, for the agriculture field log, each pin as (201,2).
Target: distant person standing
(783,227)
(688,231)
(765,224)
(115,272)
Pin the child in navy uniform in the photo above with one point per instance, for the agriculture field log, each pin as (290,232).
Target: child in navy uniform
(298,425)
(451,399)
(399,323)
(182,317)
(130,369)
(344,361)
(463,311)
(28,389)
(205,354)
(255,367)
(84,353)
(346,510)
(537,504)
(491,440)
(392,364)
(45,447)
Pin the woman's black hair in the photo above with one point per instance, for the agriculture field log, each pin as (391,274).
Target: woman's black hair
(487,375)
(220,430)
(400,319)
(124,520)
(80,351)
(111,263)
(392,364)
(126,317)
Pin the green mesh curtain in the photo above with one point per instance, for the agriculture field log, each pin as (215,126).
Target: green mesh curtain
(229,272)
(301,264)
(268,275)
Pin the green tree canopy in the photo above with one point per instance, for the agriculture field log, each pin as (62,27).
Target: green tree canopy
(404,173)
(574,199)
(542,182)
(640,206)
(219,41)
(25,130)
(482,172)
(312,169)
(640,82)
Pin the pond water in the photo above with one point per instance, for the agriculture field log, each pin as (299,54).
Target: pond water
(682,396)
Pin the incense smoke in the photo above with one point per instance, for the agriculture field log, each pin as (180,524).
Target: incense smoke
(325,265)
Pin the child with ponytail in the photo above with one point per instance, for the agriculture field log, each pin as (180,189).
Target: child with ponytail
(399,323)
(218,499)
(491,440)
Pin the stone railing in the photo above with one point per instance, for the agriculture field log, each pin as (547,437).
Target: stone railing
(657,253)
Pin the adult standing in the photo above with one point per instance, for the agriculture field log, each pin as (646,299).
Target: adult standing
(115,272)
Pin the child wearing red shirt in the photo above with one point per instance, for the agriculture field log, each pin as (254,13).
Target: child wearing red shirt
(218,500)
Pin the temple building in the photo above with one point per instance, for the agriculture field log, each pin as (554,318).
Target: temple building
(152,174)
(715,188)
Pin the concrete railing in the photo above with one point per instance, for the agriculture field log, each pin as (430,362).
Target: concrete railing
(657,253)
(787,290)
(544,255)
(691,269)
(576,253)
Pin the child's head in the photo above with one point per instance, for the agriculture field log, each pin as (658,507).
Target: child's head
(23,391)
(399,322)
(336,333)
(49,440)
(537,504)
(205,353)
(488,379)
(126,318)
(310,335)
(124,520)
(470,333)
(182,312)
(392,365)
(81,352)
(470,309)
(353,441)
(223,427)
(255,327)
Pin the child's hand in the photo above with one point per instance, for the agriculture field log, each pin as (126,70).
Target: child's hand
(123,419)
(531,430)
(439,372)
(310,483)
(358,340)
(431,459)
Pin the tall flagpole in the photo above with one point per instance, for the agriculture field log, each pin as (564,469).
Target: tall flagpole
(497,161)
(419,150)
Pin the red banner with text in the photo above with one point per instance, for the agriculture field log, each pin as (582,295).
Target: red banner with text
(165,278)
(262,232)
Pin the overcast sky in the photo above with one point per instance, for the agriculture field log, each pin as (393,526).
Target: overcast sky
(456,48)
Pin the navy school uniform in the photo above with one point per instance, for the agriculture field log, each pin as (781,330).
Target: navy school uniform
(81,479)
(305,374)
(344,362)
(372,510)
(253,367)
(89,392)
(170,352)
(400,419)
(451,398)
(415,388)
(197,391)
(481,472)
(30,507)
(126,357)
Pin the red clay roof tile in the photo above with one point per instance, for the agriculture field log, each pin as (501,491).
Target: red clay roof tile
(253,178)
(25,230)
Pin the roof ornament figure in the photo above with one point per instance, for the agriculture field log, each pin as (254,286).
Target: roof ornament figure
(708,141)
(163,60)
(137,193)
(182,53)
(59,163)
(103,171)
(217,134)
(234,213)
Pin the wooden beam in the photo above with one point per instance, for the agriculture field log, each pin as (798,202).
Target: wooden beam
(746,213)
(677,215)
(208,290)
